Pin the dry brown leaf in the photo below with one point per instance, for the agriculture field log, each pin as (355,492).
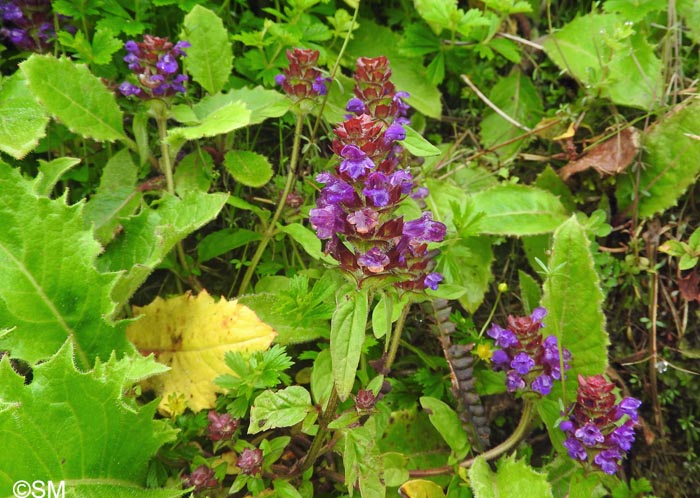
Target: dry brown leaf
(191,335)
(610,157)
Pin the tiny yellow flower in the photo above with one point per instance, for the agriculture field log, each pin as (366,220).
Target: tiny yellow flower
(176,404)
(502,287)
(484,352)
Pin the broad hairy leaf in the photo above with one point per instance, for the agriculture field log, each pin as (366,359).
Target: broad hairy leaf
(604,54)
(516,96)
(191,335)
(518,210)
(573,300)
(283,408)
(224,119)
(147,238)
(447,423)
(209,60)
(50,289)
(467,263)
(671,163)
(50,172)
(248,168)
(347,336)
(23,119)
(74,96)
(417,145)
(78,427)
(512,478)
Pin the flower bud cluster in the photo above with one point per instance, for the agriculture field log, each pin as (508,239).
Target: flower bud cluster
(155,63)
(592,424)
(201,478)
(29,24)
(250,461)
(355,211)
(221,426)
(302,79)
(531,362)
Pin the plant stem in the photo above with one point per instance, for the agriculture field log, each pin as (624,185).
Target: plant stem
(272,226)
(317,444)
(396,338)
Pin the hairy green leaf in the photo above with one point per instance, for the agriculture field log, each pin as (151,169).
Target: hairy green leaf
(248,168)
(50,289)
(467,263)
(417,145)
(518,210)
(74,96)
(224,119)
(347,336)
(23,119)
(512,478)
(210,59)
(672,163)
(77,427)
(282,408)
(50,173)
(447,423)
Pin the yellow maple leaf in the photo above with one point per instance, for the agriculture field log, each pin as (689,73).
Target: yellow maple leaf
(191,335)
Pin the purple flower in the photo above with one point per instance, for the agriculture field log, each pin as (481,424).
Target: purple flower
(326,220)
(542,384)
(179,48)
(504,337)
(355,105)
(167,64)
(221,426)
(628,406)
(522,363)
(127,89)
(250,460)
(608,460)
(500,358)
(575,449)
(589,434)
(132,47)
(432,280)
(364,220)
(425,229)
(538,314)
(402,178)
(376,189)
(11,12)
(394,132)
(336,191)
(623,436)
(374,260)
(514,381)
(566,426)
(177,83)
(320,85)
(280,79)
(356,163)
(420,193)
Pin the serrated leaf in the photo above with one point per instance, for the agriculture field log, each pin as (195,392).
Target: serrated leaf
(190,335)
(261,102)
(305,238)
(347,336)
(512,478)
(671,164)
(626,70)
(573,300)
(50,172)
(417,145)
(146,239)
(210,59)
(447,423)
(74,96)
(517,97)
(224,119)
(467,263)
(283,408)
(248,168)
(49,287)
(80,429)
(518,210)
(23,119)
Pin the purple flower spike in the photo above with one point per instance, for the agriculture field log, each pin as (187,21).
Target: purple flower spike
(376,189)
(542,384)
(432,280)
(167,64)
(326,221)
(522,363)
(365,220)
(356,163)
(607,460)
(589,434)
(514,381)
(629,406)
(394,133)
(624,436)
(374,259)
(355,106)
(425,229)
(575,449)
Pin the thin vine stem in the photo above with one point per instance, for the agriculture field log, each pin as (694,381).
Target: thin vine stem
(396,338)
(272,226)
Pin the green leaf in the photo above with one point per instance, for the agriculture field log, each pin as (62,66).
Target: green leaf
(512,478)
(248,168)
(530,291)
(439,14)
(305,238)
(447,422)
(573,300)
(224,119)
(671,164)
(602,52)
(74,96)
(147,238)
(23,119)
(282,408)
(210,59)
(261,102)
(421,488)
(395,470)
(49,287)
(322,378)
(347,336)
(80,428)
(50,173)
(518,210)
(517,97)
(467,263)
(417,145)
(225,240)
(104,44)
(116,198)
